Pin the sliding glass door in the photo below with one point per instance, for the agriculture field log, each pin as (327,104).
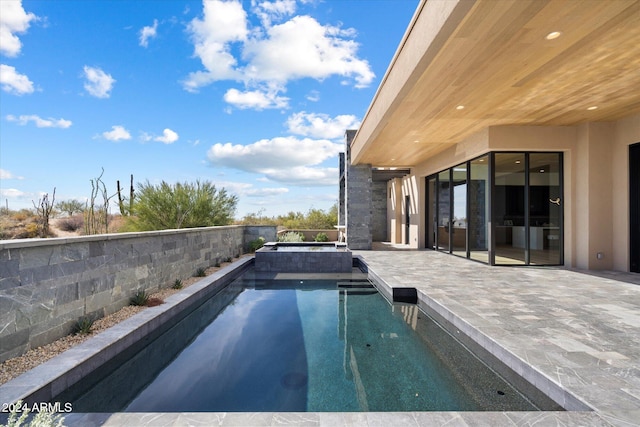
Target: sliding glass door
(527,208)
(479,214)
(500,208)
(545,208)
(509,208)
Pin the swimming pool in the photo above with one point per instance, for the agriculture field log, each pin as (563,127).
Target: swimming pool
(301,344)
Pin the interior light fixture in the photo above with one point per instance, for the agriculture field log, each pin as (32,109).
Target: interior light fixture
(593,107)
(517,162)
(553,35)
(541,170)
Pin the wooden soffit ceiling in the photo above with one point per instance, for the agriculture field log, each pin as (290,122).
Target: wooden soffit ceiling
(466,65)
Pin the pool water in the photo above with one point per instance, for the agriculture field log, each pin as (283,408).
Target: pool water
(300,345)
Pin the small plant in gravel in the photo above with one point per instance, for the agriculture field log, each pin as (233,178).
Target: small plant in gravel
(177,284)
(321,237)
(20,412)
(83,326)
(291,236)
(140,298)
(217,264)
(200,272)
(254,245)
(228,259)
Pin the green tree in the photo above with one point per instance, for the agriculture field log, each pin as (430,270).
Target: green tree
(71,206)
(182,205)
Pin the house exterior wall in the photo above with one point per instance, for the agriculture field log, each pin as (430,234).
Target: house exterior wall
(626,133)
(596,184)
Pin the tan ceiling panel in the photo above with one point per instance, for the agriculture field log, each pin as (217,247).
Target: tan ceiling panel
(497,62)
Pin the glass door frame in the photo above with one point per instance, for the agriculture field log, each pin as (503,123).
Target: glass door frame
(527,232)
(430,205)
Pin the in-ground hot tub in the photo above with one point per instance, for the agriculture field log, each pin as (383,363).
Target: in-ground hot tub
(311,257)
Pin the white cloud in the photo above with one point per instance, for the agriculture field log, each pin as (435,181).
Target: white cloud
(11,193)
(98,83)
(269,55)
(255,99)
(13,20)
(147,33)
(269,11)
(243,189)
(266,192)
(5,174)
(321,125)
(223,23)
(117,133)
(300,48)
(303,176)
(145,137)
(168,137)
(313,96)
(14,82)
(283,159)
(40,122)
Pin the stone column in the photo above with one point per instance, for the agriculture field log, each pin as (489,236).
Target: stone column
(358,200)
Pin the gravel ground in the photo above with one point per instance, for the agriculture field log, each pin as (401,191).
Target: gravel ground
(12,368)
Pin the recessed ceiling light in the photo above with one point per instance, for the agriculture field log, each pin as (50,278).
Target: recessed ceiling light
(460,107)
(416,140)
(593,107)
(518,162)
(553,35)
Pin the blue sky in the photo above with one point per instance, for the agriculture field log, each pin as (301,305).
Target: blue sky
(253,96)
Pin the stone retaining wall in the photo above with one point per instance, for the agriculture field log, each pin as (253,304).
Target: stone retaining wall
(46,285)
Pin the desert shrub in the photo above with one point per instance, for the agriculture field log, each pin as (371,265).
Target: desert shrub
(291,236)
(321,237)
(256,244)
(200,272)
(140,298)
(83,326)
(182,205)
(71,206)
(31,230)
(22,215)
(177,284)
(72,223)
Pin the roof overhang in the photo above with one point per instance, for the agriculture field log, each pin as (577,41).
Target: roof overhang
(465,65)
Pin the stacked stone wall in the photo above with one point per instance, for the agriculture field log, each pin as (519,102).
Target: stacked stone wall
(46,285)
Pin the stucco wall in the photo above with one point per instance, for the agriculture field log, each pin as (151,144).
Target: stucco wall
(596,181)
(627,132)
(46,285)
